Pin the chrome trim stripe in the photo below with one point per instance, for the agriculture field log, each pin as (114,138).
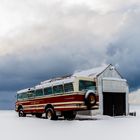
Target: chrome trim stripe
(59,107)
(34,108)
(50,96)
(54,104)
(72,106)
(65,103)
(68,107)
(60,103)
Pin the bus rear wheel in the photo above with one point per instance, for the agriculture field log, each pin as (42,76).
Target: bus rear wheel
(50,114)
(21,113)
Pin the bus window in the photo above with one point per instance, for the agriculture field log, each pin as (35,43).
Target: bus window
(30,94)
(19,96)
(39,92)
(48,91)
(24,96)
(58,89)
(68,87)
(86,85)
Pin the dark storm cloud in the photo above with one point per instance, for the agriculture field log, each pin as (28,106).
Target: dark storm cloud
(125,50)
(49,49)
(7,100)
(46,62)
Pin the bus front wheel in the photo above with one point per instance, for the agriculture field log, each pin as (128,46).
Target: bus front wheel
(50,114)
(21,113)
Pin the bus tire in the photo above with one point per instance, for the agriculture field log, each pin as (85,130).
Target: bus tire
(21,113)
(50,114)
(90,100)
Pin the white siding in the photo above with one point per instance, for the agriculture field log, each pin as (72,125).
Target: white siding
(114,85)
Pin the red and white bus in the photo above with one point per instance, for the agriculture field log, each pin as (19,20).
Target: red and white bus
(58,97)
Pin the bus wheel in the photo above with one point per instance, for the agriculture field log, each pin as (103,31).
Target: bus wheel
(69,115)
(90,100)
(21,113)
(38,115)
(50,114)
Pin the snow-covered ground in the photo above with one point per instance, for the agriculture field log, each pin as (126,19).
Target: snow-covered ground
(134,97)
(83,128)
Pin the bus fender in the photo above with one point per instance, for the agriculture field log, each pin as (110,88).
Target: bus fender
(20,107)
(49,106)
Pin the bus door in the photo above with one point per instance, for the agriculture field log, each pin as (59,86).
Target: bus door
(31,102)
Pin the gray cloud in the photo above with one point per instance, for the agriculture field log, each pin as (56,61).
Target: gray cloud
(125,50)
(47,50)
(7,100)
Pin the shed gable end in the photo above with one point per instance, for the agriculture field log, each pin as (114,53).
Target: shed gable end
(110,71)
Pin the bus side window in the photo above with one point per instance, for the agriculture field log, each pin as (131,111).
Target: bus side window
(39,92)
(30,95)
(68,87)
(24,96)
(86,85)
(19,96)
(58,89)
(48,91)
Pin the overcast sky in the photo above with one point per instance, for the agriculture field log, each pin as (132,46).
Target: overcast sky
(41,39)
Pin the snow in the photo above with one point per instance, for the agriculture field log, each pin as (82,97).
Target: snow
(114,79)
(134,97)
(58,81)
(86,73)
(83,128)
(91,72)
(25,90)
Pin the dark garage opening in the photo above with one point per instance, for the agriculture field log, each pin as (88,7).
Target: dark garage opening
(114,104)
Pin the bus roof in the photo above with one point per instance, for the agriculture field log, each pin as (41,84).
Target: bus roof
(58,81)
(26,90)
(54,82)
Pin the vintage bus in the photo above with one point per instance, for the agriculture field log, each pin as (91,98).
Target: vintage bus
(58,97)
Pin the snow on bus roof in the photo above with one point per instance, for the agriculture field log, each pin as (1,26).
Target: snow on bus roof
(87,73)
(91,72)
(25,90)
(57,81)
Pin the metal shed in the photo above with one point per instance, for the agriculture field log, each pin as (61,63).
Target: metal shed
(112,89)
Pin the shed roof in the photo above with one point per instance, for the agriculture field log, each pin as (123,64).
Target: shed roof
(94,72)
(87,73)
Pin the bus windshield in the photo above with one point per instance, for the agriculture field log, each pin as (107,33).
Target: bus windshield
(86,85)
